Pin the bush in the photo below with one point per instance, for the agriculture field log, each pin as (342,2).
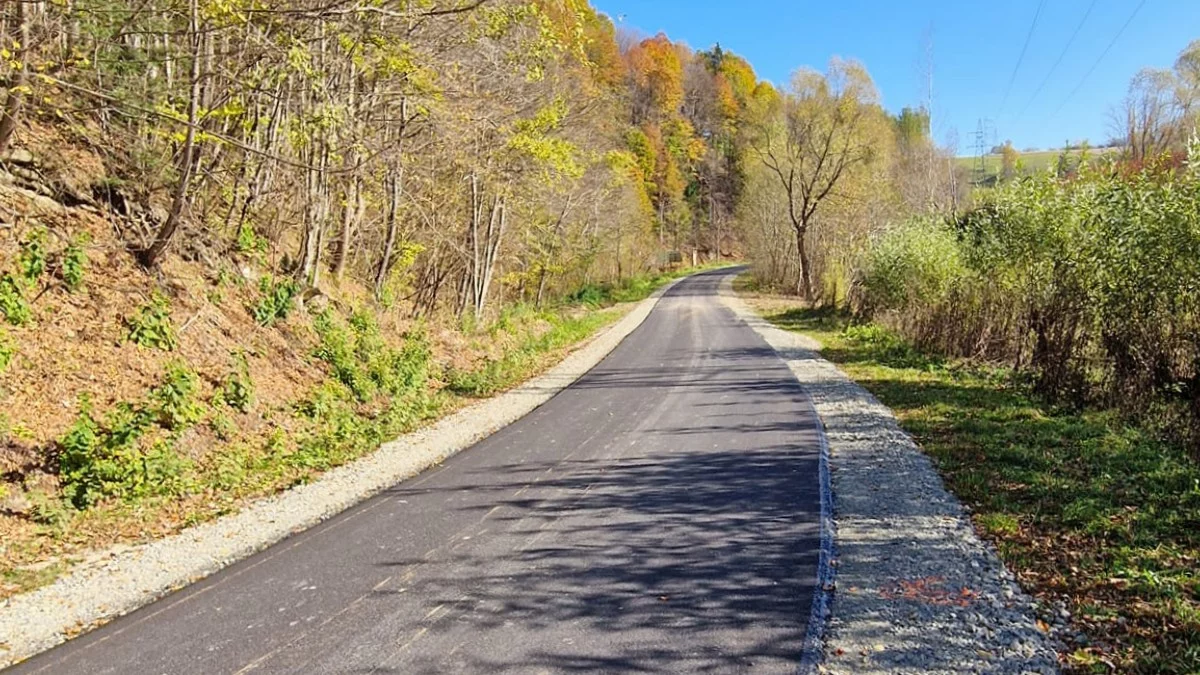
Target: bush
(32,259)
(174,402)
(12,300)
(918,263)
(74,262)
(152,327)
(8,351)
(1089,285)
(276,300)
(248,242)
(237,389)
(363,361)
(106,459)
(130,453)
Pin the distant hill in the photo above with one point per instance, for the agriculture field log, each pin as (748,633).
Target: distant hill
(1032,162)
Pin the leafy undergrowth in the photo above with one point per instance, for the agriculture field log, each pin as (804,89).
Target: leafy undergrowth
(1083,507)
(199,430)
(546,333)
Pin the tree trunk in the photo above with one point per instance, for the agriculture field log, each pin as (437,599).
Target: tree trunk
(350,215)
(497,223)
(541,291)
(804,283)
(189,156)
(396,191)
(11,113)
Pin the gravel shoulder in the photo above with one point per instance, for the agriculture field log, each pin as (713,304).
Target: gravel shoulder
(916,590)
(124,579)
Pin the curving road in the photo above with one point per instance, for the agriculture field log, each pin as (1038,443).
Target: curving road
(659,515)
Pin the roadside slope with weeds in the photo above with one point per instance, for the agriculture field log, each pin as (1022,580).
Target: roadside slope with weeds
(1087,510)
(135,404)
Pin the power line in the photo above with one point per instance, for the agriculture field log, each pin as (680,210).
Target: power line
(1059,61)
(1102,55)
(1021,58)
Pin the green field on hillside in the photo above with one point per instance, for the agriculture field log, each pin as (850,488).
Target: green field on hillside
(1031,162)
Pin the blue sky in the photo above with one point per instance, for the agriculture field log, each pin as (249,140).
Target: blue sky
(976,46)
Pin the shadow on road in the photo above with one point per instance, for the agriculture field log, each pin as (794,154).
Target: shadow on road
(694,543)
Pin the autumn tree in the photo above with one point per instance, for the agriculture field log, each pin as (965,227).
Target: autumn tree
(811,140)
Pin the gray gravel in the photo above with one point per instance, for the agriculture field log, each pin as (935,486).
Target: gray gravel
(122,579)
(917,591)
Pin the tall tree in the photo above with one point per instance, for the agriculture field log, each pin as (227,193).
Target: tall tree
(811,140)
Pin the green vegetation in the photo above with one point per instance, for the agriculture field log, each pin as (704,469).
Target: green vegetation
(1088,286)
(151,326)
(8,351)
(1080,504)
(237,389)
(365,364)
(74,262)
(543,333)
(537,350)
(32,260)
(628,289)
(276,300)
(130,453)
(13,302)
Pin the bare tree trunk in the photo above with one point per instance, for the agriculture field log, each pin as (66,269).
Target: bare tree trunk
(189,156)
(497,223)
(315,213)
(804,283)
(352,209)
(350,215)
(395,194)
(10,115)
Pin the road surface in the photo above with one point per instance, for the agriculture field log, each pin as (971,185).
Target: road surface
(659,515)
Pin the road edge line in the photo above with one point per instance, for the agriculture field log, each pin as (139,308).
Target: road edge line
(133,577)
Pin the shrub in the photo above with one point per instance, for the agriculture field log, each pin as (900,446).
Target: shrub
(8,351)
(74,262)
(248,241)
(363,361)
(152,327)
(174,402)
(32,259)
(917,263)
(237,389)
(12,300)
(1088,285)
(129,453)
(100,460)
(276,300)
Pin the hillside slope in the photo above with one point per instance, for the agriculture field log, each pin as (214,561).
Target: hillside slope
(136,402)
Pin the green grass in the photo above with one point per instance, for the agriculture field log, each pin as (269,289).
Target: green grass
(544,333)
(535,351)
(1082,506)
(1033,162)
(631,289)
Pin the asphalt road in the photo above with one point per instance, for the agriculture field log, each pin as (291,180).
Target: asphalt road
(660,515)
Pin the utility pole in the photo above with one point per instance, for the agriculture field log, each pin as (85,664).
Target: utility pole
(983,133)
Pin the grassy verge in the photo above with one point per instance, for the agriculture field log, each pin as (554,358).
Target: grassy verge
(1083,507)
(545,333)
